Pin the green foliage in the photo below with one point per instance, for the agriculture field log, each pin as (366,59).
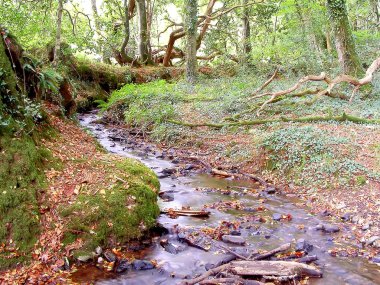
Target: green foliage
(146,105)
(118,214)
(311,156)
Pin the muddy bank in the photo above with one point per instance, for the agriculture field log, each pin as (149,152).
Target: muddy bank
(238,208)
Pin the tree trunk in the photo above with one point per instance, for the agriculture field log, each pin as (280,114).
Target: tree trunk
(143,45)
(375,9)
(8,76)
(58,33)
(123,50)
(344,41)
(246,32)
(191,11)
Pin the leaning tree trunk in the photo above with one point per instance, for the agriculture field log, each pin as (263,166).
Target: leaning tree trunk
(143,45)
(191,11)
(246,32)
(58,33)
(344,41)
(8,92)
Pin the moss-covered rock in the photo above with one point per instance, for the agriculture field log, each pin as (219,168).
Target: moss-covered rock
(118,214)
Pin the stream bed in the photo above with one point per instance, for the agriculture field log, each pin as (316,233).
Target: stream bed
(263,233)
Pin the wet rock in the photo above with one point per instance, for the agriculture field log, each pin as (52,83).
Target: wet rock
(109,256)
(270,190)
(98,250)
(250,209)
(123,266)
(142,265)
(302,245)
(166,196)
(325,213)
(233,239)
(372,240)
(235,233)
(84,258)
(276,216)
(366,227)
(327,228)
(167,172)
(376,259)
(346,217)
(189,166)
(331,229)
(171,247)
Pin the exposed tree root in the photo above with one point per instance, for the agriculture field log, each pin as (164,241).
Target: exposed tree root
(331,83)
(303,93)
(343,118)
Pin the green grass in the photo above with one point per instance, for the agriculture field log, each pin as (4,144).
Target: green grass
(115,215)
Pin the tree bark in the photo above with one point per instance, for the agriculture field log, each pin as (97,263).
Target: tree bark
(375,9)
(143,44)
(344,41)
(58,33)
(191,11)
(246,32)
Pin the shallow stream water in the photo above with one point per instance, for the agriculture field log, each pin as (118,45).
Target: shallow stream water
(265,235)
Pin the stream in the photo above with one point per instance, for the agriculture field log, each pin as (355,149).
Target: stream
(195,190)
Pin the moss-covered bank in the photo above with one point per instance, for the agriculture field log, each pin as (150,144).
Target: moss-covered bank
(123,211)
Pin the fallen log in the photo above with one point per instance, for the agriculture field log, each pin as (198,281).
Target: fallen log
(273,268)
(343,118)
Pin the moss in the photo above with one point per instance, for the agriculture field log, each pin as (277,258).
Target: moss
(21,177)
(118,214)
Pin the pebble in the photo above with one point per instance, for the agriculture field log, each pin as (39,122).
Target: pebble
(276,217)
(233,239)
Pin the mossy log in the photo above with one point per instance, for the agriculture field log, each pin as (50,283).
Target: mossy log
(343,118)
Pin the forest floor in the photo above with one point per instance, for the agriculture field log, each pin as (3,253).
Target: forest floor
(84,172)
(333,166)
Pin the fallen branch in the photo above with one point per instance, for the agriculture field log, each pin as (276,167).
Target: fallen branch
(266,83)
(207,274)
(331,83)
(190,213)
(230,280)
(272,252)
(343,118)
